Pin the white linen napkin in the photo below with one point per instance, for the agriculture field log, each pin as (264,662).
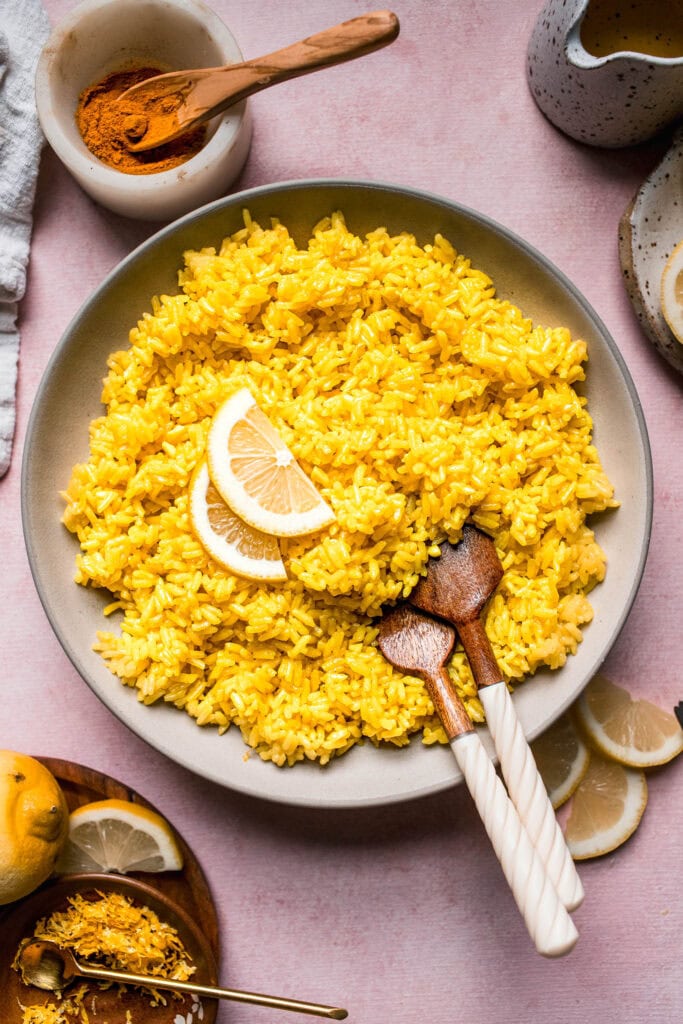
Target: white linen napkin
(24,27)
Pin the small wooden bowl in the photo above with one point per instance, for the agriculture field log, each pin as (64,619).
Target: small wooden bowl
(105,1004)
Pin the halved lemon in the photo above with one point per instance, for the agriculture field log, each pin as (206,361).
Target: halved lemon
(606,808)
(121,836)
(671,295)
(562,759)
(257,475)
(234,544)
(633,732)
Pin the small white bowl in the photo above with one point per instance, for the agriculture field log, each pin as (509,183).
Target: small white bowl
(101,36)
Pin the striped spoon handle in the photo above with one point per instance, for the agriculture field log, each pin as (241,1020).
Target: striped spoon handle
(548,923)
(528,792)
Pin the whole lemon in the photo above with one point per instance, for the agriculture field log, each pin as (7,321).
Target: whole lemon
(34,824)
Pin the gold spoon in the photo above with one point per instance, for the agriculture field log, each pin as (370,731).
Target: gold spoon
(166,106)
(47,966)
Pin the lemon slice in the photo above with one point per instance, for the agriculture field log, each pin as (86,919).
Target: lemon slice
(234,544)
(256,474)
(561,758)
(671,295)
(633,732)
(606,808)
(120,836)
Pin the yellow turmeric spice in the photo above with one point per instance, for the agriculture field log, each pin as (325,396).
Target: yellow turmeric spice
(107,127)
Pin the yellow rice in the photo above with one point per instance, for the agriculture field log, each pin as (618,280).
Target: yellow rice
(415,399)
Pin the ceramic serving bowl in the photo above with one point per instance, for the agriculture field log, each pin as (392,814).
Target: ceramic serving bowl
(69,398)
(101,36)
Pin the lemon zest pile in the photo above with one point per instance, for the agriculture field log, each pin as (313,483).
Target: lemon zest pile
(115,932)
(120,934)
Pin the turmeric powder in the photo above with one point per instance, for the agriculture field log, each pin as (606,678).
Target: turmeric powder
(106,127)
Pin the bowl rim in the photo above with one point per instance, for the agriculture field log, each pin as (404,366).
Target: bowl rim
(325,799)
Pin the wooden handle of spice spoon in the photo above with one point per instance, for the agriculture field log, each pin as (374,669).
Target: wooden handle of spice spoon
(525,785)
(207,92)
(216,90)
(350,39)
(552,930)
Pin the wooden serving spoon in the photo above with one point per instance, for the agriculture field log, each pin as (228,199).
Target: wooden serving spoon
(421,645)
(166,106)
(457,586)
(48,966)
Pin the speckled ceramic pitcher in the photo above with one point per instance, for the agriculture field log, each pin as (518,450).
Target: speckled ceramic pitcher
(608,72)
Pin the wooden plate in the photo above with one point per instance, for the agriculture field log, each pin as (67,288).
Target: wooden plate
(181,897)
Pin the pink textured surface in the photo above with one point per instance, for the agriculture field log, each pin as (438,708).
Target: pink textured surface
(400,914)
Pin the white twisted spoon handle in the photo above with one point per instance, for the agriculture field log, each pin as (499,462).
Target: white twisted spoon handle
(528,792)
(414,642)
(548,923)
(457,586)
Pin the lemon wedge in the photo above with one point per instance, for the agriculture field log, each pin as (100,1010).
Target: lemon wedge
(231,542)
(606,808)
(120,836)
(634,732)
(561,758)
(257,475)
(671,294)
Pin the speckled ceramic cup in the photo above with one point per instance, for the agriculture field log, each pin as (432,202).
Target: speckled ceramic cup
(649,230)
(613,99)
(101,36)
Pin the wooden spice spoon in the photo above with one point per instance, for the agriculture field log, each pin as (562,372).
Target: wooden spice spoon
(421,645)
(162,108)
(457,586)
(48,966)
